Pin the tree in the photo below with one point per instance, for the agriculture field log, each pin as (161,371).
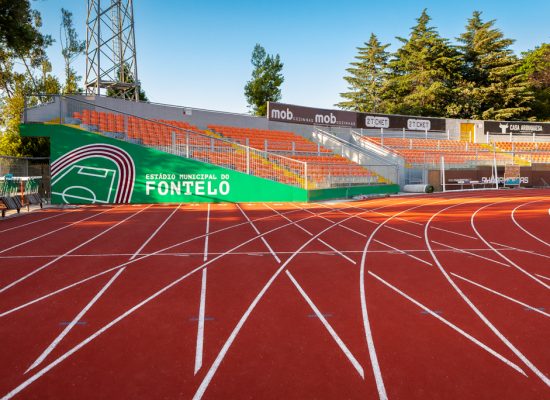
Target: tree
(266,80)
(491,86)
(422,72)
(366,78)
(71,48)
(536,67)
(126,76)
(22,43)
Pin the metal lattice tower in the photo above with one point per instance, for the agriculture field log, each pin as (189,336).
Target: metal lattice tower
(111,61)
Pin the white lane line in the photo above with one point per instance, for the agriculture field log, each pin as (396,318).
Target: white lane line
(513,264)
(289,220)
(403,252)
(200,325)
(106,327)
(328,327)
(55,230)
(325,243)
(79,316)
(225,348)
(382,394)
(258,233)
(336,251)
(472,306)
(353,230)
(75,320)
(543,277)
(63,212)
(470,253)
(368,332)
(138,251)
(522,228)
(405,232)
(201,253)
(455,233)
(158,252)
(71,251)
(376,223)
(207,233)
(451,325)
(501,295)
(506,247)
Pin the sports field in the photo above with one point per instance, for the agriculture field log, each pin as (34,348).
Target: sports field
(442,296)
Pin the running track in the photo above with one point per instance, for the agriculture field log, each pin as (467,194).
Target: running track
(441,296)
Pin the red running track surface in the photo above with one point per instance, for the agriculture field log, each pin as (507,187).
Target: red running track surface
(442,296)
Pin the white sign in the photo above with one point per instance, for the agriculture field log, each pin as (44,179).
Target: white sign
(372,121)
(419,124)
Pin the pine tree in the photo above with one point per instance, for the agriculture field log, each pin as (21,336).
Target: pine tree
(422,72)
(266,80)
(491,86)
(366,78)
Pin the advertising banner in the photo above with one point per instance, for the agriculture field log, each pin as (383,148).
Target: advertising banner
(318,116)
(399,122)
(310,116)
(517,128)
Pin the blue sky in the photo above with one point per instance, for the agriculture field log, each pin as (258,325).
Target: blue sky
(197,53)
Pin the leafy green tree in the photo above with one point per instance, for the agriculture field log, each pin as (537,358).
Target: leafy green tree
(71,48)
(366,79)
(536,67)
(127,77)
(422,72)
(491,86)
(21,43)
(266,80)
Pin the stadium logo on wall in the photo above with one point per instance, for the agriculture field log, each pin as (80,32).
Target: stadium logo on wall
(109,180)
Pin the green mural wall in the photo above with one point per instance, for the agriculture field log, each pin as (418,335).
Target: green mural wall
(91,168)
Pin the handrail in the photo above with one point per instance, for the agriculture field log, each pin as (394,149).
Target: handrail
(224,140)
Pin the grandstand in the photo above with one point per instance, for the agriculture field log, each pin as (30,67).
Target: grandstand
(303,155)
(229,146)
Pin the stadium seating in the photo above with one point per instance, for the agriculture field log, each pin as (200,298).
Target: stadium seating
(205,145)
(322,164)
(429,151)
(537,152)
(272,141)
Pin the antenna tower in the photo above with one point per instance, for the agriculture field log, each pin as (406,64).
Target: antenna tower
(111,61)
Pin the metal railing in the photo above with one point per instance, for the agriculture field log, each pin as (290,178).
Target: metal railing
(273,161)
(173,137)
